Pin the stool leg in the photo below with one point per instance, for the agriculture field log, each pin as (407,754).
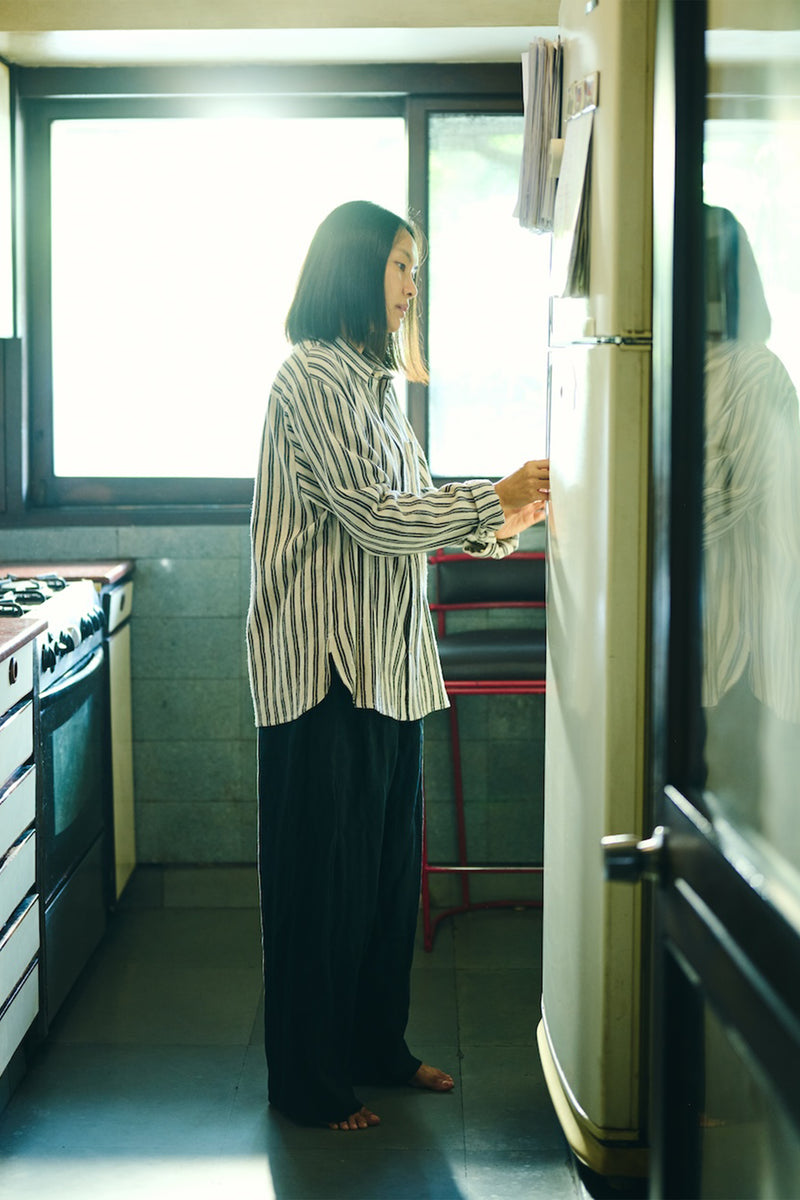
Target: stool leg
(458,790)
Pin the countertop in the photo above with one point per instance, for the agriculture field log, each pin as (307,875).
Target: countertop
(15,632)
(105,572)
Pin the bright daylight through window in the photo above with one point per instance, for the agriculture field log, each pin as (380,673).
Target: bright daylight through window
(488,301)
(176,245)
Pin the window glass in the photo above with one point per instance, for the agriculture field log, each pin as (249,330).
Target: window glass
(751,545)
(176,245)
(488,302)
(748,1144)
(736,150)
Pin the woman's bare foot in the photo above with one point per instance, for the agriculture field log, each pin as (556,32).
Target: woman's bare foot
(433,1079)
(363,1119)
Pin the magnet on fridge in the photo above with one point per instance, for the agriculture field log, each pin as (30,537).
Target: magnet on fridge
(591,90)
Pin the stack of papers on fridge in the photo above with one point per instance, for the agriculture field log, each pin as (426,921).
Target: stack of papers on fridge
(541,91)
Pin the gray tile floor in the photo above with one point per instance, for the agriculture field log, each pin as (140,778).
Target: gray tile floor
(152,1082)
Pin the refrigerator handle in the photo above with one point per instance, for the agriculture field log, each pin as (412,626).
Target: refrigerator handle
(628,860)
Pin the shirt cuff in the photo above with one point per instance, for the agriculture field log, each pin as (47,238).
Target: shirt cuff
(491,546)
(489,509)
(483,542)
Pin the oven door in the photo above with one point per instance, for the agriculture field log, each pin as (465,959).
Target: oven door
(75,795)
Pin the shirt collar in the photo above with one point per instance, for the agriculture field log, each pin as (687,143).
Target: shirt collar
(362,364)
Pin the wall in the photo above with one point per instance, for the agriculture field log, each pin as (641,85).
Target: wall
(272,14)
(194,740)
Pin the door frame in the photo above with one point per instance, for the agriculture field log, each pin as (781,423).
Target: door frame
(722,936)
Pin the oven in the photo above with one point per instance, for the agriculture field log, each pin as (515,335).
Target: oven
(74,775)
(73,724)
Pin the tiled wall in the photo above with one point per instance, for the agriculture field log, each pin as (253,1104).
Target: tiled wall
(195,750)
(194,741)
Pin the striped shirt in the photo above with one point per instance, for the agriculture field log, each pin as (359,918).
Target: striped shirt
(344,515)
(751,602)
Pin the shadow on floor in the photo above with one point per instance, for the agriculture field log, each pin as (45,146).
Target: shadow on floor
(152,1082)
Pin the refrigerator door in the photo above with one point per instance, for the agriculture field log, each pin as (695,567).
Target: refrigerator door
(595,743)
(616,39)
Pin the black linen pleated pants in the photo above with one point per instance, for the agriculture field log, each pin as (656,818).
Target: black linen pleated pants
(340,817)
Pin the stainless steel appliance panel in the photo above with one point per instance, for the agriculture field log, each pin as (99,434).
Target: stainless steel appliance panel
(75,921)
(74,768)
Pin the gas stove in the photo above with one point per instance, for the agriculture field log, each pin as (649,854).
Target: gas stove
(74,619)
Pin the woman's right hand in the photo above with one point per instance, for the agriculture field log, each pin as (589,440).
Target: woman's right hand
(530,483)
(522,519)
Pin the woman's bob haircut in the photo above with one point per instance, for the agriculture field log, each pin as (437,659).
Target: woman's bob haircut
(341,293)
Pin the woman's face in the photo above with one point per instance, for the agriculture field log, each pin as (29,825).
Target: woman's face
(399,279)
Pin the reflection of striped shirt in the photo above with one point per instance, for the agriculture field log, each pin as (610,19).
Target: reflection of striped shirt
(751,611)
(343,516)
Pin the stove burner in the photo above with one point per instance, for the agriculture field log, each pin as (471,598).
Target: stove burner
(26,594)
(54,582)
(30,592)
(73,615)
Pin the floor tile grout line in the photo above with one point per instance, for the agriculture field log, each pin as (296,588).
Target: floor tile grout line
(236,1089)
(460,1052)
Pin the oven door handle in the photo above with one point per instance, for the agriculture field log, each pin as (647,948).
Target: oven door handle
(58,689)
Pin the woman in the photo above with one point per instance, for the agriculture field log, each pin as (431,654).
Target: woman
(751,549)
(343,666)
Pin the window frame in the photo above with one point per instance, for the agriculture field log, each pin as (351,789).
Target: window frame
(42,95)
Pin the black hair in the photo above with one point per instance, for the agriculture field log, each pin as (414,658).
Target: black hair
(340,291)
(736,307)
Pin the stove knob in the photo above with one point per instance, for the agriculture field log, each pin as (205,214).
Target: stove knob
(66,641)
(87,629)
(48,658)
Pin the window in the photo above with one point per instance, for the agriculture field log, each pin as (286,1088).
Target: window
(176,245)
(164,236)
(488,301)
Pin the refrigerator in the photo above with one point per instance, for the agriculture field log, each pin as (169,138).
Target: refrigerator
(594,1001)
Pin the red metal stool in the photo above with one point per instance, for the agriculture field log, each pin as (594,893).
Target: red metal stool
(492,662)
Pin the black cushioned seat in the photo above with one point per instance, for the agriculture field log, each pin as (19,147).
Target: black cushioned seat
(513,654)
(486,582)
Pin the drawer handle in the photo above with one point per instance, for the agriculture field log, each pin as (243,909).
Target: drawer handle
(13,670)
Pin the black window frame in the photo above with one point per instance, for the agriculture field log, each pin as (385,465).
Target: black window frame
(33,494)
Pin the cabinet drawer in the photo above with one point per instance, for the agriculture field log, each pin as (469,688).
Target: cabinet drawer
(17,809)
(18,1015)
(16,739)
(17,875)
(19,942)
(118,602)
(16,677)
